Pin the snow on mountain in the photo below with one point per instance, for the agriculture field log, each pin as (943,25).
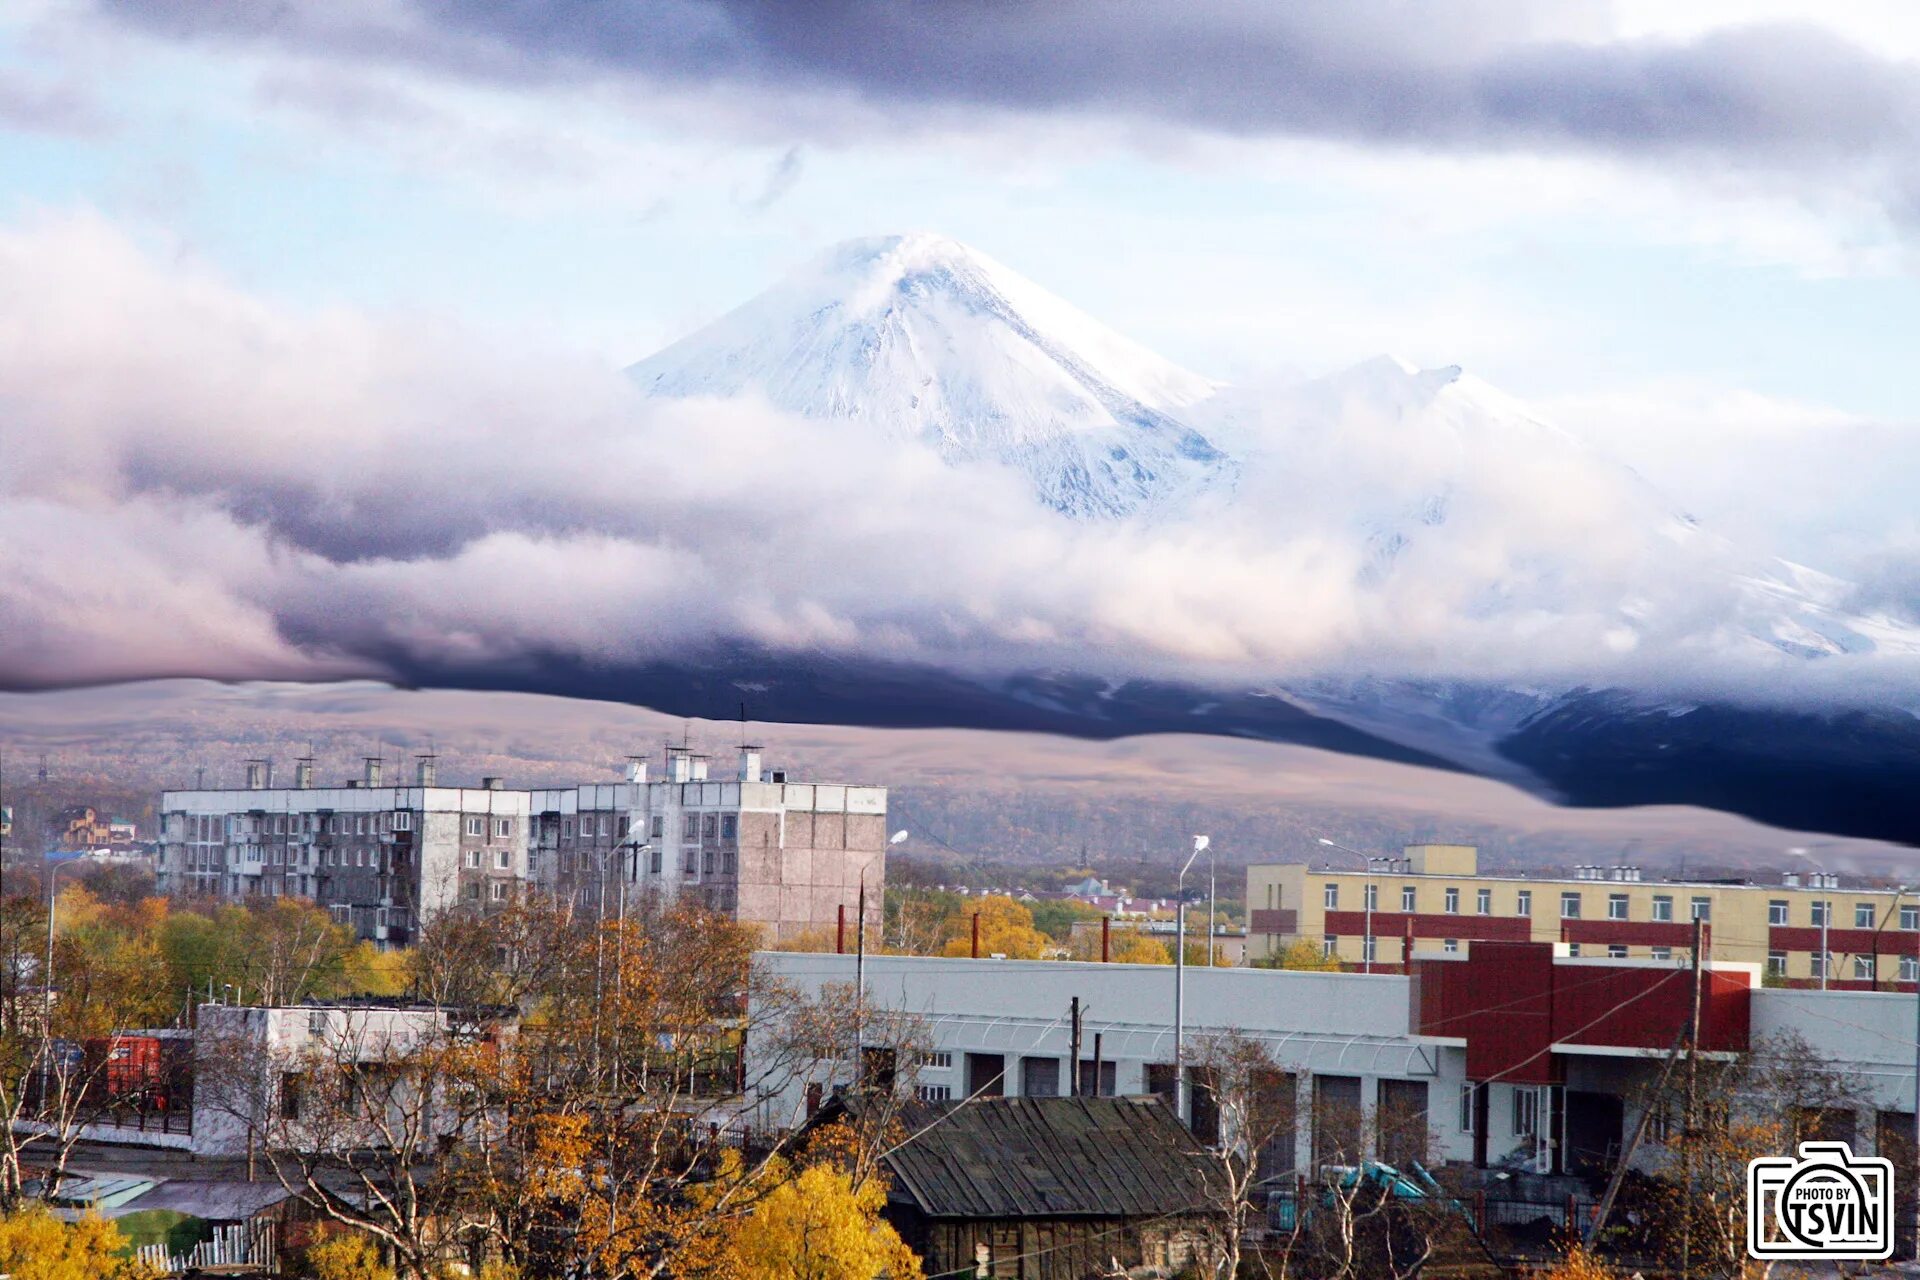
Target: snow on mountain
(1434,475)
(930,340)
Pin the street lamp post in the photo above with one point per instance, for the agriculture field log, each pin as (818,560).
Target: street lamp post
(1366,900)
(46,977)
(1200,845)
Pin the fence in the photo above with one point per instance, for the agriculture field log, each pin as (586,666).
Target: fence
(245,1244)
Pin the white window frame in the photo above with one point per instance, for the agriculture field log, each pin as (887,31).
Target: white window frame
(1483,902)
(1700,907)
(1526,1112)
(1570,904)
(1617,906)
(1523,903)
(1779,911)
(1330,896)
(1866,909)
(1451,901)
(1409,896)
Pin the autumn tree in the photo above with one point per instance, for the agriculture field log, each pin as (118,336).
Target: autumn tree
(1006,929)
(36,1245)
(1305,955)
(817,1225)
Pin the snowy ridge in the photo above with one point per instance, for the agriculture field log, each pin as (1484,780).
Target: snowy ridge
(929,340)
(1429,473)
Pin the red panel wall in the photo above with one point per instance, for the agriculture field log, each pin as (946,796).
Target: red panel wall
(1843,942)
(1511,1000)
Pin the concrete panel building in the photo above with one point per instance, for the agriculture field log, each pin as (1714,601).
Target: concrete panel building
(379,857)
(753,843)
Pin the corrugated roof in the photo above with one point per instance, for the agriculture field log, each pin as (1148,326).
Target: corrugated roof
(1050,1158)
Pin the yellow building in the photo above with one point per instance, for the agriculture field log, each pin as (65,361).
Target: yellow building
(1434,895)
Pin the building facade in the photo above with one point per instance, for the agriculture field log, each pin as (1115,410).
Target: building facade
(1799,933)
(787,856)
(790,857)
(1520,1056)
(379,858)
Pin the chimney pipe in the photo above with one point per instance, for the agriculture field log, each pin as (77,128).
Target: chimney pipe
(749,764)
(373,764)
(256,775)
(699,768)
(636,769)
(426,770)
(303,772)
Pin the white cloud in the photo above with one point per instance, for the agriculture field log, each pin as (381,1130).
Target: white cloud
(201,483)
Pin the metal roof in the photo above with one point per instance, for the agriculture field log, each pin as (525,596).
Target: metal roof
(1050,1158)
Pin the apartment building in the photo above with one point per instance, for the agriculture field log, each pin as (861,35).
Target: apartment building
(1805,931)
(768,850)
(378,857)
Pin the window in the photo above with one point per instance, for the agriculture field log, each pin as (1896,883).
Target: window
(654,861)
(1331,896)
(1663,953)
(623,826)
(1863,915)
(1483,901)
(1329,944)
(935,1092)
(1910,917)
(473,857)
(729,827)
(1570,906)
(1616,951)
(473,893)
(1662,906)
(1863,968)
(939,1060)
(474,828)
(1466,1108)
(1573,949)
(503,859)
(360,825)
(711,826)
(1523,903)
(1910,968)
(1372,897)
(1702,909)
(1406,897)
(1452,900)
(690,829)
(1820,964)
(1818,912)
(1450,945)
(498,890)
(403,821)
(1040,1077)
(659,828)
(1369,948)
(1526,1112)
(1777,911)
(566,828)
(503,827)
(1616,906)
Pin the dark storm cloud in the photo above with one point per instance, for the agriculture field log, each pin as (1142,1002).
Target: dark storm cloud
(1481,73)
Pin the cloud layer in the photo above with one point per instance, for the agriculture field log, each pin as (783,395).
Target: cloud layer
(198,481)
(1485,74)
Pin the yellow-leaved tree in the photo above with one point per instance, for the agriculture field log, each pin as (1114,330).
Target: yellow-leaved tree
(1006,929)
(1303,953)
(35,1245)
(819,1226)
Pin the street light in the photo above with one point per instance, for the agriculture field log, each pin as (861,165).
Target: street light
(1366,899)
(1200,845)
(46,975)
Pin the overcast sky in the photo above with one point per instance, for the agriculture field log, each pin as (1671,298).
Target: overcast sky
(238,236)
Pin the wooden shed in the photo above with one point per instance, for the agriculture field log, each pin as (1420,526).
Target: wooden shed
(1051,1188)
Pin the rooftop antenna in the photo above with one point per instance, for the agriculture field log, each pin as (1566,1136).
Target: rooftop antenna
(743,724)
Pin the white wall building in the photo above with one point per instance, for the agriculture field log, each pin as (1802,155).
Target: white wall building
(380,858)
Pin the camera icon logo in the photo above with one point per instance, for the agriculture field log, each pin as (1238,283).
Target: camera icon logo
(1829,1203)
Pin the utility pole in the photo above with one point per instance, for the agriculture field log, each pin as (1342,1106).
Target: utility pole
(1693,1095)
(1200,845)
(860,986)
(1073,1074)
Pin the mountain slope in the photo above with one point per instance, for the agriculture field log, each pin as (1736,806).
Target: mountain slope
(932,341)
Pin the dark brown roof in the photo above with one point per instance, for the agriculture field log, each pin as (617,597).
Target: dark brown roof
(1050,1158)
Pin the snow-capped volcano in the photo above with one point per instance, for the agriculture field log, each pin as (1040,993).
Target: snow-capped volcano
(930,340)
